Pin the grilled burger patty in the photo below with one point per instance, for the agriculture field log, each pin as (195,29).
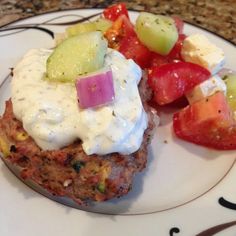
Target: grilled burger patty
(69,171)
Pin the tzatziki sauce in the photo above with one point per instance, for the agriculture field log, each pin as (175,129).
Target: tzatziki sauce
(51,115)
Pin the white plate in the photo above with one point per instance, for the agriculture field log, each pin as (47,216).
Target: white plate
(185,190)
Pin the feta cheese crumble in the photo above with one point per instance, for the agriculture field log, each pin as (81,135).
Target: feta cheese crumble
(206,88)
(199,50)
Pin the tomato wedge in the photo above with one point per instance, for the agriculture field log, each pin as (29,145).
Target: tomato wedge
(158,60)
(132,48)
(122,37)
(171,81)
(114,11)
(175,53)
(179,24)
(121,28)
(208,122)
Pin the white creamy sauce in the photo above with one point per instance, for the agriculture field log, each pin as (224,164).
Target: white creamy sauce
(51,116)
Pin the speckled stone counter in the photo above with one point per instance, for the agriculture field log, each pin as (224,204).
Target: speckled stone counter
(218,16)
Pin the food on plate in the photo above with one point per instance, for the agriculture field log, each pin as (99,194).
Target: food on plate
(75,56)
(69,171)
(79,121)
(156,32)
(179,24)
(188,68)
(114,11)
(171,81)
(198,49)
(95,89)
(175,53)
(123,37)
(206,88)
(98,25)
(207,122)
(230,82)
(87,153)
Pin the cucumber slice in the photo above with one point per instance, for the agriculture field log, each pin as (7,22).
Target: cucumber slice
(100,25)
(230,82)
(80,29)
(156,32)
(75,56)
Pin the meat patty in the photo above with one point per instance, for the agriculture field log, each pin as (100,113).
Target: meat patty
(69,171)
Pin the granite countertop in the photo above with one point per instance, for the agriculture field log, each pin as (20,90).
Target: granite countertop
(215,15)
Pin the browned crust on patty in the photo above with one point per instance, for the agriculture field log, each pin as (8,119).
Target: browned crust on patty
(69,171)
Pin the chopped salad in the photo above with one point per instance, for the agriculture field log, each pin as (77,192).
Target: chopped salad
(177,66)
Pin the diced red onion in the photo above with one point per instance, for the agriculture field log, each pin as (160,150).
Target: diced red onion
(95,89)
(225,71)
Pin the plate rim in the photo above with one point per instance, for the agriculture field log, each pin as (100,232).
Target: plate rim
(173,230)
